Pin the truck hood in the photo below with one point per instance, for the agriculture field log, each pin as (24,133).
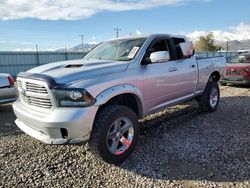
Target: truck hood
(65,72)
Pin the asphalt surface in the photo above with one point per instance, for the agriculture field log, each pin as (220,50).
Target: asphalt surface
(179,147)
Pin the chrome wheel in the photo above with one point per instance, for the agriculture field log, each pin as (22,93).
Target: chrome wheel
(120,135)
(214,97)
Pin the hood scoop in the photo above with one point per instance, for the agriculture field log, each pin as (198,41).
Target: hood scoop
(74,66)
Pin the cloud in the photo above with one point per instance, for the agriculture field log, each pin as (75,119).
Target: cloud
(74,9)
(26,43)
(93,42)
(34,49)
(51,49)
(138,32)
(25,49)
(239,32)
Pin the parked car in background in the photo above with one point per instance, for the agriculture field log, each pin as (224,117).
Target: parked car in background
(237,70)
(102,96)
(7,89)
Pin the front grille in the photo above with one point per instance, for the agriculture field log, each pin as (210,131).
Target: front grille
(39,102)
(235,72)
(36,88)
(19,84)
(34,94)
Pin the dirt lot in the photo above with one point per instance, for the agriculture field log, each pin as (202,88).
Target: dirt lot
(179,147)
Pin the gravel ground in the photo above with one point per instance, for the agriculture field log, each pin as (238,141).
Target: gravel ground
(179,147)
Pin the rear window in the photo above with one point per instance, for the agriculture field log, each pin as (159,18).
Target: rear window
(241,58)
(179,52)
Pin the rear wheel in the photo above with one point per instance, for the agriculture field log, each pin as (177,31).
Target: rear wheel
(209,100)
(115,134)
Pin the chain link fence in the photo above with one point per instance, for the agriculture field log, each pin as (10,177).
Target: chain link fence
(15,62)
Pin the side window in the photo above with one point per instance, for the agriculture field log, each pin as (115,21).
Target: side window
(159,52)
(158,46)
(179,52)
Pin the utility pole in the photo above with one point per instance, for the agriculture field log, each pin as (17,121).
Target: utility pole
(227,43)
(37,56)
(82,41)
(66,52)
(117,31)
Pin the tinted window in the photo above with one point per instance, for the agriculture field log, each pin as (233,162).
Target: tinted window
(159,50)
(241,58)
(117,50)
(158,46)
(179,52)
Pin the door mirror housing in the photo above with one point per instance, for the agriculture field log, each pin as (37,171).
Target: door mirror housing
(187,49)
(160,56)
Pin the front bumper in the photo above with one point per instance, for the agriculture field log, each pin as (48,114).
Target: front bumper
(52,127)
(238,80)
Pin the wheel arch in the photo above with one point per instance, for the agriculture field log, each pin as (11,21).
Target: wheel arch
(125,95)
(214,76)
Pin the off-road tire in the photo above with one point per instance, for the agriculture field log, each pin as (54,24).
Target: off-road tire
(204,99)
(103,121)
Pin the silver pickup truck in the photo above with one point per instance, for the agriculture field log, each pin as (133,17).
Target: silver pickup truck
(101,97)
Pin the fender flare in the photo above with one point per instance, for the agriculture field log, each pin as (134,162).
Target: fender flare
(114,91)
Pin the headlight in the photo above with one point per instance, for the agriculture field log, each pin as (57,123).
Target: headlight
(248,69)
(72,97)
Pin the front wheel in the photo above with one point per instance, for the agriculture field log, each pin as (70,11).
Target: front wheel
(115,134)
(209,100)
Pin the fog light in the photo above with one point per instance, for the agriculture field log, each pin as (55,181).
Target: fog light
(64,133)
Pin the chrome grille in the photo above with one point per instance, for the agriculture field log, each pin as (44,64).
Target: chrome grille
(43,103)
(19,84)
(34,94)
(36,88)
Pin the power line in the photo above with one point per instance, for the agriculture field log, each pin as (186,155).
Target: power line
(117,31)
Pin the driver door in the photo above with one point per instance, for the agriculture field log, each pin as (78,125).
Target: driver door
(161,79)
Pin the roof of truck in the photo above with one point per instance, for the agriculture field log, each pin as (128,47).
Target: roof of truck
(150,35)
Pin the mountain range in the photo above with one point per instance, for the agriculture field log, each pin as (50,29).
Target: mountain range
(233,45)
(86,47)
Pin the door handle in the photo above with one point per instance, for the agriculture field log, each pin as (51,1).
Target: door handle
(192,66)
(172,69)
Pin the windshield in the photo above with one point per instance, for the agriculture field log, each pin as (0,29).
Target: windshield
(241,58)
(117,50)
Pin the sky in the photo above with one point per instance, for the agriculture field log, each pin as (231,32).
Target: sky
(54,24)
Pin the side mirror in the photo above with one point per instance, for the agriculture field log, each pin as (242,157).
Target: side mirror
(187,49)
(161,56)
